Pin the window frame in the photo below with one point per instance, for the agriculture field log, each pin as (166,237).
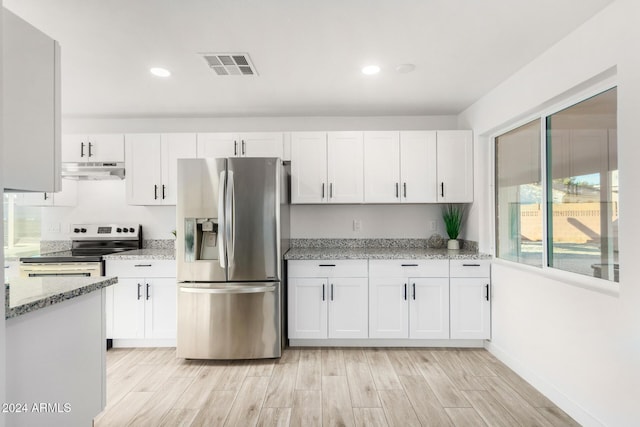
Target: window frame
(541,114)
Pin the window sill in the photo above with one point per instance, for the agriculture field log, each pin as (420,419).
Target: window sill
(573,279)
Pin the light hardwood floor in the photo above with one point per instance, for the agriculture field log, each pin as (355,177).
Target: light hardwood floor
(323,387)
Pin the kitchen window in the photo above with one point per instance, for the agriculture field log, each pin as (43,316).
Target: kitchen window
(577,231)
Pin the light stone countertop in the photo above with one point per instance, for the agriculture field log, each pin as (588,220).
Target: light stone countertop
(336,253)
(24,295)
(142,254)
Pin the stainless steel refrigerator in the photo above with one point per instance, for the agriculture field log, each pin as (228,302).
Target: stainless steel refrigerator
(232,229)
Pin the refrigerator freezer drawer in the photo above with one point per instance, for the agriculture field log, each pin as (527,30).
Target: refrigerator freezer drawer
(229,320)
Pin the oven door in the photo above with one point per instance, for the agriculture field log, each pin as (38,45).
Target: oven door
(70,269)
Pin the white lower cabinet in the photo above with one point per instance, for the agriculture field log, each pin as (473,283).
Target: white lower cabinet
(470,299)
(333,305)
(142,305)
(409,299)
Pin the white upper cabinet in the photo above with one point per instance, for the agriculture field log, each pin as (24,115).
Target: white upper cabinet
(67,196)
(250,144)
(308,167)
(108,147)
(151,163)
(345,167)
(382,167)
(31,107)
(455,166)
(418,165)
(400,167)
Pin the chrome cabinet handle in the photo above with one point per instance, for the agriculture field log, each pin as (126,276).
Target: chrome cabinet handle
(405,291)
(323,292)
(45,195)
(139,288)
(414,291)
(90,154)
(163,194)
(82,149)
(148,292)
(397,191)
(408,265)
(323,190)
(326,265)
(243,151)
(404,189)
(332,292)
(486,295)
(142,265)
(442,189)
(331,190)
(155,192)
(235,148)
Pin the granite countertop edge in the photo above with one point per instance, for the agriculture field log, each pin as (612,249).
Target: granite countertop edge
(377,253)
(143,254)
(99,283)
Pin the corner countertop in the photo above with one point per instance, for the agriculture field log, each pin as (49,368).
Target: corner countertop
(142,254)
(24,295)
(308,253)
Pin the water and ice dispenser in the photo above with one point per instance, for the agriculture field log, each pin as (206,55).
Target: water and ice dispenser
(200,239)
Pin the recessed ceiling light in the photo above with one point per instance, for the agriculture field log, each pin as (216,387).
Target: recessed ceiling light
(405,68)
(370,70)
(160,72)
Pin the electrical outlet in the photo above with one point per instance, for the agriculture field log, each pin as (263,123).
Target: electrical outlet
(54,227)
(432,225)
(357,225)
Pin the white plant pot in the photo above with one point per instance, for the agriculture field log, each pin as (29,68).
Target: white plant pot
(453,244)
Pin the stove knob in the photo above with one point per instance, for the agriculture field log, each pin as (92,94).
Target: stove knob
(119,230)
(125,230)
(83,230)
(76,230)
(132,230)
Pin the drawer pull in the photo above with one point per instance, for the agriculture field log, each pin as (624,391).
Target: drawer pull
(409,265)
(326,265)
(142,265)
(471,265)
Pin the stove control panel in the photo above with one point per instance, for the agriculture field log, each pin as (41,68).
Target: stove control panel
(105,231)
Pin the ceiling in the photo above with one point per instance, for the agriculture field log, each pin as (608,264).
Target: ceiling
(308,54)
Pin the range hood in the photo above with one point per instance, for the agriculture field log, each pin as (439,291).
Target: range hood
(93,170)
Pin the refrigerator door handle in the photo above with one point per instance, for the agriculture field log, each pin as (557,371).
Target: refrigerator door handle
(229,220)
(230,290)
(221,220)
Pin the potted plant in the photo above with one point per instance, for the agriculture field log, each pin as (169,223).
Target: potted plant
(453,216)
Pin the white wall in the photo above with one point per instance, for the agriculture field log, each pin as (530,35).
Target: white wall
(100,201)
(581,347)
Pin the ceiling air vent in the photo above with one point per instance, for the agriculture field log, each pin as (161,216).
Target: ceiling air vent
(230,64)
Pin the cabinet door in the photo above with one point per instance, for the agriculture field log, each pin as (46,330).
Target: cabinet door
(388,307)
(214,145)
(74,148)
(174,146)
(160,308)
(34,199)
(345,167)
(429,308)
(470,308)
(309,167)
(455,166)
(143,168)
(128,308)
(348,308)
(382,167)
(267,144)
(307,308)
(418,163)
(105,147)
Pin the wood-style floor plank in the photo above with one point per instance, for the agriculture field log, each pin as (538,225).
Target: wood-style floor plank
(309,370)
(465,417)
(336,404)
(333,362)
(311,387)
(370,417)
(424,401)
(398,409)
(248,402)
(307,408)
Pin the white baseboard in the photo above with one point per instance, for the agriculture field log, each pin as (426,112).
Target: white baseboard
(373,342)
(564,402)
(143,343)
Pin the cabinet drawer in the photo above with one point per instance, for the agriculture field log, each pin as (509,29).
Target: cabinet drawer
(469,268)
(328,268)
(409,268)
(140,268)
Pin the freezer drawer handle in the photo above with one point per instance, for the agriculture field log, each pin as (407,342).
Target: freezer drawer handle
(230,290)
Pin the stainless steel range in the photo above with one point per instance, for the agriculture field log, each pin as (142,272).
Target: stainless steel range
(89,242)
